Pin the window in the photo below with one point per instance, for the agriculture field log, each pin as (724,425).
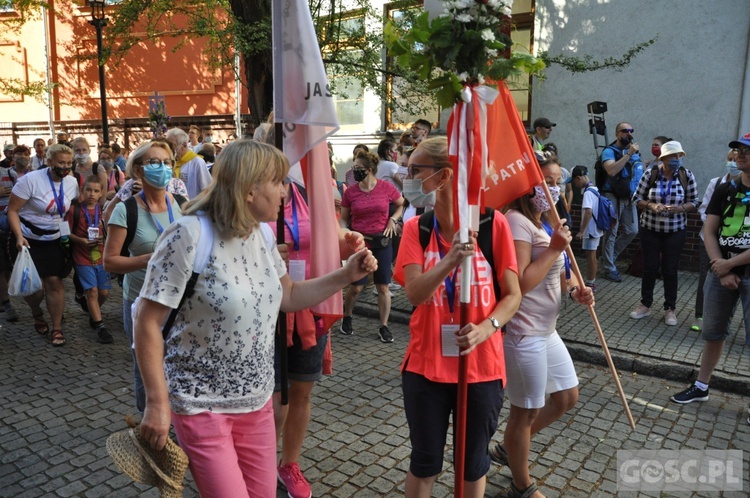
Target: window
(396,87)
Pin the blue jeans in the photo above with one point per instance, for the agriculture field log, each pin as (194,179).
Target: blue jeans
(140,390)
(627,223)
(719,304)
(661,250)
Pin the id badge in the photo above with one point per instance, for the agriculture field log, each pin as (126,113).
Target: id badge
(93,233)
(448,337)
(297,270)
(64,228)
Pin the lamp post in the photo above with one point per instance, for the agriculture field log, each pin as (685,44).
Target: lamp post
(99,21)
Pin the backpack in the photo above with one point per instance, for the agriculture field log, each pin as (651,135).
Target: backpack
(131,220)
(484,239)
(617,184)
(681,175)
(606,215)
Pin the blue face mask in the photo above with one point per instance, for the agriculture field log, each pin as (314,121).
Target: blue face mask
(157,175)
(675,162)
(732,168)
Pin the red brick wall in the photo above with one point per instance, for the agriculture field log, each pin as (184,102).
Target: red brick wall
(690,256)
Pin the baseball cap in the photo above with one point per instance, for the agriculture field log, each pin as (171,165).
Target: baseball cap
(8,147)
(743,141)
(579,171)
(544,123)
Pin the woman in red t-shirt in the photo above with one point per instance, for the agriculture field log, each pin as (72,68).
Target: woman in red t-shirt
(432,281)
(364,209)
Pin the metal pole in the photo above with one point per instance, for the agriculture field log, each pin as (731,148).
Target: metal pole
(99,24)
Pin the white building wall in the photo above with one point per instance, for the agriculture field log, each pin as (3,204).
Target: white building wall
(688,85)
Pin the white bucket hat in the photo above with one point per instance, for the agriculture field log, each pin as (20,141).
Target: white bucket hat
(669,148)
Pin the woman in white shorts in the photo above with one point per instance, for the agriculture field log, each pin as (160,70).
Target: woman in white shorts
(542,382)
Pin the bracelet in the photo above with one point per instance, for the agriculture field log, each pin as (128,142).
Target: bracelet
(571,291)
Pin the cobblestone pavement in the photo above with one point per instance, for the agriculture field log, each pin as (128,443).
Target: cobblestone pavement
(58,406)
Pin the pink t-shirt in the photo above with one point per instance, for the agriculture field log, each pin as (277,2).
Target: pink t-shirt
(369,210)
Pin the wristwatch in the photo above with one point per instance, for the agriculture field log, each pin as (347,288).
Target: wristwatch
(494,322)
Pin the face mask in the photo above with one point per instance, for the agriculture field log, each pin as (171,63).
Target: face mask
(539,200)
(107,164)
(412,191)
(157,175)
(22,163)
(656,151)
(207,139)
(675,162)
(359,174)
(732,168)
(61,172)
(81,158)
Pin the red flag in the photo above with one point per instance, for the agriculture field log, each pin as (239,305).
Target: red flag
(513,169)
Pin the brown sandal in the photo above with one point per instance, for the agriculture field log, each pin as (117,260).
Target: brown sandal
(40,325)
(57,338)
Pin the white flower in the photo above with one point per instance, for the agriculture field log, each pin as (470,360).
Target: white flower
(488,35)
(437,72)
(480,78)
(492,52)
(507,10)
(463,18)
(494,3)
(463,4)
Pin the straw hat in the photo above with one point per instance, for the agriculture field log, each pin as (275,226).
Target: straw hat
(134,456)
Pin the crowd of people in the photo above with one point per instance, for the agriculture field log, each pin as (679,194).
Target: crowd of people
(204,354)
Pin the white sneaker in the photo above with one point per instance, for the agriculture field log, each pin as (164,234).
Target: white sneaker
(375,292)
(394,286)
(640,311)
(669,317)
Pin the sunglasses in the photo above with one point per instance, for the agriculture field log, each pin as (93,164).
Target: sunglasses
(626,130)
(743,151)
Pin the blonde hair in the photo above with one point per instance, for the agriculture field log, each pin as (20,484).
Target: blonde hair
(136,158)
(241,166)
(54,149)
(79,140)
(437,149)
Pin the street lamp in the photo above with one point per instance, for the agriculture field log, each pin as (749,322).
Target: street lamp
(99,21)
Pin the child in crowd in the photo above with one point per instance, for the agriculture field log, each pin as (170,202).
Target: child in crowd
(590,233)
(87,235)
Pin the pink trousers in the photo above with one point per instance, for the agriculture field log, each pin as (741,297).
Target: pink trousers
(231,455)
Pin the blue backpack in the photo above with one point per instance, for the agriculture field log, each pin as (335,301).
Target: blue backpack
(606,216)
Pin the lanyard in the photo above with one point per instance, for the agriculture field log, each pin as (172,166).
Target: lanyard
(96,216)
(294,227)
(450,283)
(159,228)
(665,194)
(548,228)
(59,198)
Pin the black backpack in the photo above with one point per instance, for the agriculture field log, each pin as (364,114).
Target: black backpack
(484,239)
(681,175)
(618,185)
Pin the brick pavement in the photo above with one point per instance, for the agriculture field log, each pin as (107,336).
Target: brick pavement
(58,405)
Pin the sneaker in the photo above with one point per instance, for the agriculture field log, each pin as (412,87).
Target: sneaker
(11,315)
(385,334)
(692,393)
(613,276)
(670,318)
(290,476)
(375,292)
(104,336)
(346,326)
(81,300)
(697,325)
(394,286)
(640,311)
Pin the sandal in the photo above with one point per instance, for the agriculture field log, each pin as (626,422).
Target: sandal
(57,338)
(499,455)
(40,325)
(514,492)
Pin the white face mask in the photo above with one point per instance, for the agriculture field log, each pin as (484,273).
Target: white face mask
(539,200)
(81,158)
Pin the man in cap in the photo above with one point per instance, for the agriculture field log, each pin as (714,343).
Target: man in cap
(589,233)
(727,239)
(8,159)
(542,129)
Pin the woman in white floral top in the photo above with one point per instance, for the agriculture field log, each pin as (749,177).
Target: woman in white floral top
(219,360)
